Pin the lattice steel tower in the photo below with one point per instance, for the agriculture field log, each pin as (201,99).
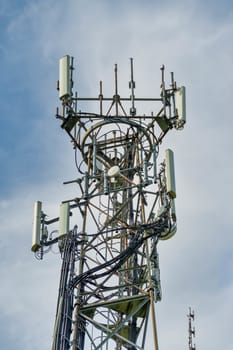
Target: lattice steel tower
(110,277)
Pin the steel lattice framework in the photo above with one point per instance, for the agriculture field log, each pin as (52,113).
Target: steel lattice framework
(110,277)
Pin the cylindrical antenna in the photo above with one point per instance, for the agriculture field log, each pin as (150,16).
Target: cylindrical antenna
(170,173)
(64,77)
(36,229)
(64,219)
(132,87)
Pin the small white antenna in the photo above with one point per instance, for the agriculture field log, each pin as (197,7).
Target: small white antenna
(180,107)
(65,77)
(36,229)
(64,219)
(170,173)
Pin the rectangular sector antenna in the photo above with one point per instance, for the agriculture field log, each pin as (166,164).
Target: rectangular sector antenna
(64,219)
(36,229)
(170,173)
(64,77)
(180,106)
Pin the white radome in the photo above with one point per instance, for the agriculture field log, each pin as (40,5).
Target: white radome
(114,171)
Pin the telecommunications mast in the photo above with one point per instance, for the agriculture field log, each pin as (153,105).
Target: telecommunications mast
(124,204)
(191,329)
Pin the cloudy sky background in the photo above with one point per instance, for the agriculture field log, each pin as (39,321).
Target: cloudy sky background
(191,38)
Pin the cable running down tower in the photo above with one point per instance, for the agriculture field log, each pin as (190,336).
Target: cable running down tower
(124,205)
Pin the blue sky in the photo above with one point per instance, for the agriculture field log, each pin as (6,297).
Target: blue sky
(193,39)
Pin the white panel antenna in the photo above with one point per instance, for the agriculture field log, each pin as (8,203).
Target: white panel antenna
(65,77)
(170,173)
(64,219)
(180,107)
(36,229)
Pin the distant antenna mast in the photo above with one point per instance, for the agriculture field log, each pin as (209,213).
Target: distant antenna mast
(191,330)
